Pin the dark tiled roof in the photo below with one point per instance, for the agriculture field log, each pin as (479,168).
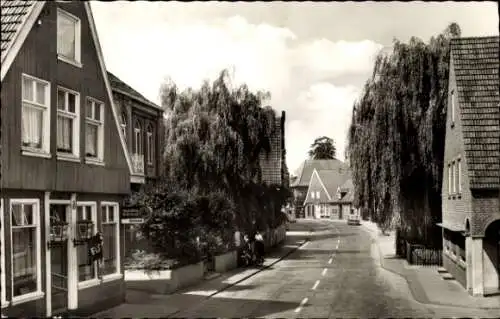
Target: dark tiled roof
(307,167)
(333,179)
(476,63)
(119,85)
(348,187)
(13,17)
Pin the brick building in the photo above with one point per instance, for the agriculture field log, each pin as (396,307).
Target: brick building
(471,174)
(273,165)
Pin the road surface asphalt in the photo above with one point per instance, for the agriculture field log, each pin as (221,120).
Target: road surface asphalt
(336,274)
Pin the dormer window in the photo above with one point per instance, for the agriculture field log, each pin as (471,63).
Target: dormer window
(68,37)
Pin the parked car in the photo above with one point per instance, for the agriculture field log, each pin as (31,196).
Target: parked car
(354,218)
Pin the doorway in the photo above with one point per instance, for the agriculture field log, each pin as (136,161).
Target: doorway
(59,263)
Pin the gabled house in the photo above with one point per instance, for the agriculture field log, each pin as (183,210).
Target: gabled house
(65,166)
(321,201)
(303,178)
(471,174)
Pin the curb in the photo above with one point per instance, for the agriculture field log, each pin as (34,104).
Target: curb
(247,277)
(419,300)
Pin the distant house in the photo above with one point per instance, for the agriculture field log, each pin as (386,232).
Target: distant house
(471,174)
(273,164)
(304,175)
(325,194)
(65,165)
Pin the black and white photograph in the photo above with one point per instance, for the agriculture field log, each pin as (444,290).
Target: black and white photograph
(260,159)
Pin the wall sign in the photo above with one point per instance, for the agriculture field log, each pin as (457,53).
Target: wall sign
(132,215)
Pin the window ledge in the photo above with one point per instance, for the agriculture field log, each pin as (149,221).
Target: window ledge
(35,153)
(69,61)
(68,157)
(88,283)
(94,161)
(28,297)
(111,277)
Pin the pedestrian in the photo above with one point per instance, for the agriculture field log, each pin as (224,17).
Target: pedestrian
(259,245)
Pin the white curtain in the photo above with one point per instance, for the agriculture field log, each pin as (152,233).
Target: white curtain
(31,126)
(64,133)
(65,37)
(91,140)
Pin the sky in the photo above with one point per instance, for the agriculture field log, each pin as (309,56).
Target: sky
(313,58)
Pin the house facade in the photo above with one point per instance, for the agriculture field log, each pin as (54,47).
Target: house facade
(142,125)
(65,166)
(471,174)
(302,179)
(326,194)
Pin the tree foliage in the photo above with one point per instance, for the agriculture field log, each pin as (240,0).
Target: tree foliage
(322,148)
(396,138)
(213,141)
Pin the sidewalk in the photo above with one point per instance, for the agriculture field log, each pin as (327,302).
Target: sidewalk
(426,284)
(145,305)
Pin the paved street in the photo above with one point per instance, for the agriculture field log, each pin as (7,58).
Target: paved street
(335,274)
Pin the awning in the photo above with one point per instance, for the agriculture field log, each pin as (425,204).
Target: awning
(453,228)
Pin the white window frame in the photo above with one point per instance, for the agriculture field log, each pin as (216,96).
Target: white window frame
(123,125)
(312,195)
(44,151)
(3,295)
(452,107)
(453,174)
(459,175)
(75,155)
(38,294)
(116,206)
(317,195)
(450,179)
(100,130)
(93,215)
(78,32)
(150,141)
(138,141)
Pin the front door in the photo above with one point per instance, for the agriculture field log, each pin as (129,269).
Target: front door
(59,263)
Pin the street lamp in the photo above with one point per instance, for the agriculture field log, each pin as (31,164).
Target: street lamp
(83,232)
(58,233)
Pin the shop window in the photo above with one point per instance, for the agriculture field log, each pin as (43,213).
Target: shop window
(86,270)
(111,239)
(25,249)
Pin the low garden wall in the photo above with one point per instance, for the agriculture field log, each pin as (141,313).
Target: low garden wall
(226,261)
(164,281)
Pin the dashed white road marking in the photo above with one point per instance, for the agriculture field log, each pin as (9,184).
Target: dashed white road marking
(324,272)
(330,260)
(315,285)
(302,303)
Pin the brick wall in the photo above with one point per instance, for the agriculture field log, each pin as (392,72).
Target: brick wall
(271,163)
(455,208)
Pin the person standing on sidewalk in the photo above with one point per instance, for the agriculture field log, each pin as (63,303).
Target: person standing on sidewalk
(259,246)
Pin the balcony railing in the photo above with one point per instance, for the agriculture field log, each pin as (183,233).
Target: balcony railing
(138,163)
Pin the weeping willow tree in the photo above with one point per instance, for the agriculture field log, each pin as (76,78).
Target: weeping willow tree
(214,137)
(396,138)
